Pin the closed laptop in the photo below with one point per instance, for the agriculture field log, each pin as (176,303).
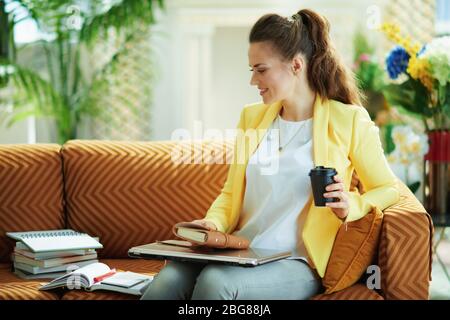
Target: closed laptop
(249,257)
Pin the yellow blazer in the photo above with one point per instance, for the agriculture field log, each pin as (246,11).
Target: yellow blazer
(345,138)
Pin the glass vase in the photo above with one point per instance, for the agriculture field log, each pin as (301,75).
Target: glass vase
(437,176)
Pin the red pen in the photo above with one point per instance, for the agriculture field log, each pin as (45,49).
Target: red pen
(106,275)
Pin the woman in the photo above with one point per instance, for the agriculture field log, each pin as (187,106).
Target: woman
(311,108)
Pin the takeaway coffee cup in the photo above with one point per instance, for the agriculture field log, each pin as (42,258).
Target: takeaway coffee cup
(320,178)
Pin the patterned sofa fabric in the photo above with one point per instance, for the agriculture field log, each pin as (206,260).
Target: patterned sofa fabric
(31,191)
(405,250)
(14,288)
(130,194)
(358,291)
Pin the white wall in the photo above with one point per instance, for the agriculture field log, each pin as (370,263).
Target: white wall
(15,134)
(230,77)
(205,63)
(22,132)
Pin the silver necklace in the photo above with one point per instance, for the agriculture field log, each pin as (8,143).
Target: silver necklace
(280,147)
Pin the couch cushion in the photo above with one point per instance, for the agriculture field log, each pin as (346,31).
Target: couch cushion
(405,252)
(356,292)
(149,267)
(31,191)
(15,288)
(131,193)
(353,251)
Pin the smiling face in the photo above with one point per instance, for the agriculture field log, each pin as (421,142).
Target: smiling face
(273,77)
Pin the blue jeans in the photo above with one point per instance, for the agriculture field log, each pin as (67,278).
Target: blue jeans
(283,279)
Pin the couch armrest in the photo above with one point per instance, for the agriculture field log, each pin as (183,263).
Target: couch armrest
(405,252)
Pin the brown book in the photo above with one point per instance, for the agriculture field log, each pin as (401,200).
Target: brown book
(203,236)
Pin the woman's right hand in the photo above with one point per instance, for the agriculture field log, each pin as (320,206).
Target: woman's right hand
(205,223)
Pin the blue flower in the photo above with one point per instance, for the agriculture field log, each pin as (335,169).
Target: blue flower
(397,62)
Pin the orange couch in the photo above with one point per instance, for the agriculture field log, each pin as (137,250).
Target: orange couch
(131,193)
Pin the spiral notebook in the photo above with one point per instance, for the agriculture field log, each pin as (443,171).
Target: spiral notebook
(55,240)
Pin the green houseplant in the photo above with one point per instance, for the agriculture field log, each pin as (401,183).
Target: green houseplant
(369,73)
(370,77)
(65,90)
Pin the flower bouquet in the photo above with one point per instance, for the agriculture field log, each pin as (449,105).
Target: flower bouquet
(422,88)
(422,75)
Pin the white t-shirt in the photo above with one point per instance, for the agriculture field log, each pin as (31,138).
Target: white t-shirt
(277,188)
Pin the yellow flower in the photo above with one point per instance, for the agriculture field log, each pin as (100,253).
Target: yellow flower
(392,31)
(390,28)
(419,69)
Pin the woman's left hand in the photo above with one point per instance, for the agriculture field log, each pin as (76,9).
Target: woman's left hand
(336,190)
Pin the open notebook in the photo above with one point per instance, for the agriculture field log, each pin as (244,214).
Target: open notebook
(98,276)
(55,240)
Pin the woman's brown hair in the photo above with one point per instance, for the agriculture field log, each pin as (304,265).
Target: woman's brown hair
(307,33)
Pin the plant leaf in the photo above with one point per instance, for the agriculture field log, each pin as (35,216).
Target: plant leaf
(19,116)
(33,92)
(411,95)
(121,16)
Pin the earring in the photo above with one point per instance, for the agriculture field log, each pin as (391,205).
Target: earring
(295,72)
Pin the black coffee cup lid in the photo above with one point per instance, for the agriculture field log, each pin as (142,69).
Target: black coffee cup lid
(321,170)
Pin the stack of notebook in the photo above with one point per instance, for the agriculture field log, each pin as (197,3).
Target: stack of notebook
(51,254)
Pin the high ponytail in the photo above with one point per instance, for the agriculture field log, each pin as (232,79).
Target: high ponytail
(307,32)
